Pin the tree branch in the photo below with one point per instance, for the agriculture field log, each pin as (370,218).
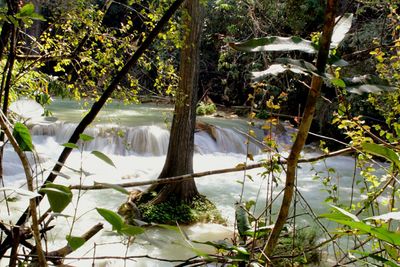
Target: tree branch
(185,177)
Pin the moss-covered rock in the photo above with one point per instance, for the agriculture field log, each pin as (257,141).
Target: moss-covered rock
(172,211)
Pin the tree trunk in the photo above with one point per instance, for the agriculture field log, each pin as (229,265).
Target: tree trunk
(179,159)
(304,127)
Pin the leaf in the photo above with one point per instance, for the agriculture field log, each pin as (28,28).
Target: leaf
(386,216)
(367,84)
(21,192)
(382,151)
(114,186)
(70,145)
(346,213)
(338,82)
(23,137)
(59,196)
(274,70)
(86,138)
(103,157)
(75,242)
(376,257)
(61,174)
(343,25)
(301,65)
(113,218)
(26,11)
(131,230)
(275,43)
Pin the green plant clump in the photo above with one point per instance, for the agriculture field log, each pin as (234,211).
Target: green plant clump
(172,211)
(205,109)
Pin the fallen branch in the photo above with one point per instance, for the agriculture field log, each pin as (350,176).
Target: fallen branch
(185,177)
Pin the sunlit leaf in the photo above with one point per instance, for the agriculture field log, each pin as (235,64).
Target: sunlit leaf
(103,157)
(75,242)
(70,145)
(346,213)
(26,11)
(338,82)
(113,218)
(387,216)
(59,196)
(85,137)
(382,151)
(275,43)
(367,84)
(23,137)
(343,25)
(274,70)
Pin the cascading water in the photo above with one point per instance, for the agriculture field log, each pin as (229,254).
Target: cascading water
(138,151)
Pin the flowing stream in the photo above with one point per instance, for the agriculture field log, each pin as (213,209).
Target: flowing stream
(135,137)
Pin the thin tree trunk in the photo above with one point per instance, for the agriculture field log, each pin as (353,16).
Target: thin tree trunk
(304,128)
(85,122)
(179,158)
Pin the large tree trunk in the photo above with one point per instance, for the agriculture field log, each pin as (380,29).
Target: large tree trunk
(179,159)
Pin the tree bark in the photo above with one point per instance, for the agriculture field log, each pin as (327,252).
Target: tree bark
(179,160)
(304,128)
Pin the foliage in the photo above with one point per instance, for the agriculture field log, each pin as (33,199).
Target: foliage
(173,211)
(205,109)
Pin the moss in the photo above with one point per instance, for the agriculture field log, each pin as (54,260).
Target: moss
(172,211)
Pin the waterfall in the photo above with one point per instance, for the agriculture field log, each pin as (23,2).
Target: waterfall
(147,140)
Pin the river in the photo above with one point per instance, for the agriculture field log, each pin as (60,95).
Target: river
(135,137)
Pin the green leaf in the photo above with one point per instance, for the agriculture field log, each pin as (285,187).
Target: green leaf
(75,242)
(23,137)
(86,138)
(382,151)
(343,25)
(59,196)
(103,157)
(113,218)
(338,83)
(70,145)
(275,43)
(302,65)
(114,186)
(376,257)
(26,11)
(131,230)
(346,213)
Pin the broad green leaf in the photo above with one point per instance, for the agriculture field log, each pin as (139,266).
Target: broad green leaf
(113,218)
(338,83)
(131,230)
(26,11)
(70,145)
(103,157)
(383,152)
(59,196)
(21,192)
(275,43)
(23,137)
(85,137)
(386,262)
(75,242)
(114,186)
